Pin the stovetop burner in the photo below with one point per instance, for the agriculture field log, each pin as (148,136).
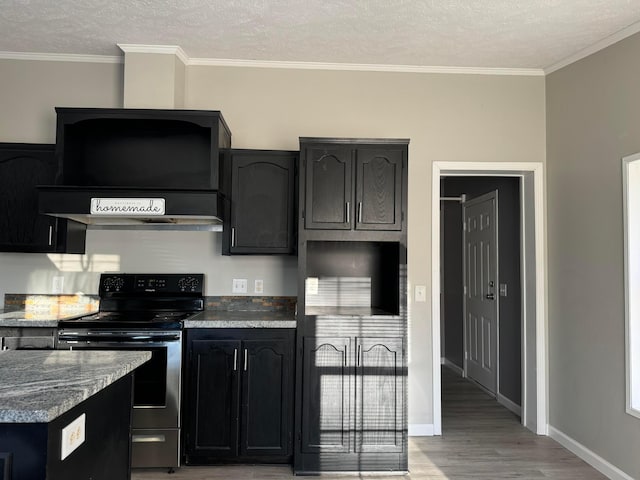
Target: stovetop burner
(144,301)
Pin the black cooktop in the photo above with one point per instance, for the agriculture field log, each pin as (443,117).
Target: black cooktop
(129,320)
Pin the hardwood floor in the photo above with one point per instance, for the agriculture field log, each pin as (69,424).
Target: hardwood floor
(481,440)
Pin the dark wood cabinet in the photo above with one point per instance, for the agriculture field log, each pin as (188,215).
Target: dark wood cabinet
(328,187)
(351,401)
(22,228)
(150,148)
(261,185)
(349,390)
(239,396)
(380,406)
(326,394)
(353,186)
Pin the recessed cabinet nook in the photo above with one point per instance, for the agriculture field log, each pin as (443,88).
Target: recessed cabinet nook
(351,363)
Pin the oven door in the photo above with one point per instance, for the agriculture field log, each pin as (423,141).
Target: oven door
(156,391)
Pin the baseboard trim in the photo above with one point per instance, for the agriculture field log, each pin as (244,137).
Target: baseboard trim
(421,430)
(452,366)
(509,405)
(592,458)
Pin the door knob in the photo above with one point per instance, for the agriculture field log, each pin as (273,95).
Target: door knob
(490,296)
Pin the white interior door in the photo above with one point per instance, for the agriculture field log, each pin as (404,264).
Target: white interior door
(480,289)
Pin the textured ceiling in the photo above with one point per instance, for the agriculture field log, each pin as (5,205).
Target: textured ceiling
(458,33)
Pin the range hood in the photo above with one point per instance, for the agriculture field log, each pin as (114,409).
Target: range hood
(139,208)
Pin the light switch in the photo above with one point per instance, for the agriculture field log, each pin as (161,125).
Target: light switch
(421,293)
(311,286)
(503,289)
(239,285)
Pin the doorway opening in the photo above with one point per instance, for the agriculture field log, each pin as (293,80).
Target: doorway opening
(532,273)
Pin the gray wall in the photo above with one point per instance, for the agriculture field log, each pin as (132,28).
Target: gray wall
(593,120)
(510,378)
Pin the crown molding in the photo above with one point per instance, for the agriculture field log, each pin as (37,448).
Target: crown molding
(363,67)
(596,47)
(60,57)
(164,49)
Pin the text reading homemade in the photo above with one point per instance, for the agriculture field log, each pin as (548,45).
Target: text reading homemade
(127,206)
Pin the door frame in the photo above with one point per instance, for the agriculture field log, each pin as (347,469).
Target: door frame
(533,276)
(495,340)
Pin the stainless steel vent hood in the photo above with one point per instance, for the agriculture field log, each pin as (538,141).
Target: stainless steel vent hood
(134,208)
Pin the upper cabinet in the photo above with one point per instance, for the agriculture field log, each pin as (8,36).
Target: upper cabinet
(140,147)
(261,186)
(353,184)
(22,229)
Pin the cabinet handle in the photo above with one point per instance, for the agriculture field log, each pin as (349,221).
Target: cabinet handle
(359,212)
(233,236)
(50,234)
(235,359)
(245,360)
(348,207)
(359,354)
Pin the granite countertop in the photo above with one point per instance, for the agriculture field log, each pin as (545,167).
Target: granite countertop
(22,318)
(242,319)
(39,386)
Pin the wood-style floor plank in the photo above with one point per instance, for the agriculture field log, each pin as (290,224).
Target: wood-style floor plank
(481,440)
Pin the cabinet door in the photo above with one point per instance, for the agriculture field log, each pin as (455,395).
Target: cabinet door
(267,397)
(262,202)
(22,167)
(380,411)
(328,194)
(213,400)
(326,395)
(379,188)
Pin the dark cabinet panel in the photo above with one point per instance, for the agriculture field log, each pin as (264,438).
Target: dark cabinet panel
(353,408)
(266,397)
(213,399)
(379,395)
(239,396)
(328,188)
(379,189)
(352,185)
(263,186)
(22,229)
(326,395)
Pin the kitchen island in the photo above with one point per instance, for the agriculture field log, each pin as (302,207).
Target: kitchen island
(66,414)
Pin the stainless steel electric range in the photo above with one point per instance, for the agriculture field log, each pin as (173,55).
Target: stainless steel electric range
(144,312)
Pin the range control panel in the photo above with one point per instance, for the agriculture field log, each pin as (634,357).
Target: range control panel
(138,284)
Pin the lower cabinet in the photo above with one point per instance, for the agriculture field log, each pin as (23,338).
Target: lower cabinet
(352,407)
(239,396)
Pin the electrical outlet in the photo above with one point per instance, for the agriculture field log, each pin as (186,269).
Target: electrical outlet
(57,285)
(258,286)
(239,285)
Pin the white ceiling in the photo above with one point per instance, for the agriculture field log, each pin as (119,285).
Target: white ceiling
(511,34)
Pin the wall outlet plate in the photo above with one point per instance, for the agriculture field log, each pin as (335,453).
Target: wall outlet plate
(258,286)
(73,436)
(57,284)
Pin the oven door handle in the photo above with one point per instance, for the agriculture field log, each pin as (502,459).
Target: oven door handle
(122,340)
